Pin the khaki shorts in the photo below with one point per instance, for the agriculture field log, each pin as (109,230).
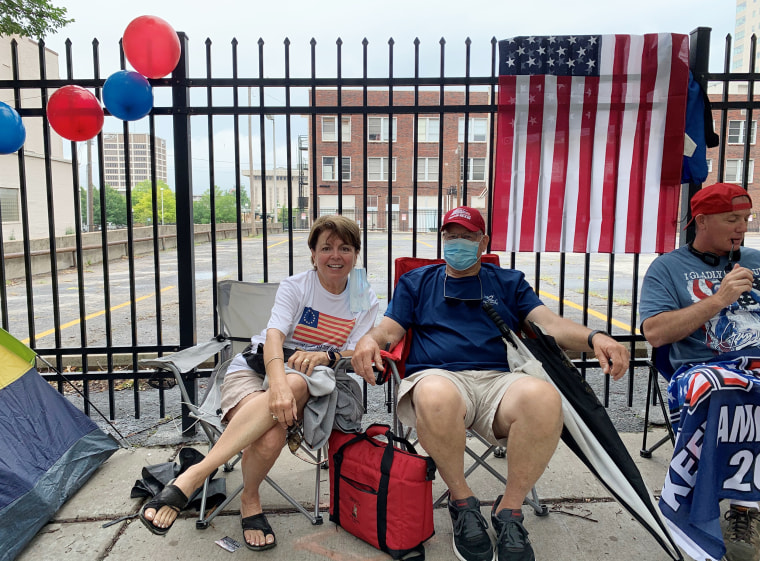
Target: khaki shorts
(482,391)
(236,386)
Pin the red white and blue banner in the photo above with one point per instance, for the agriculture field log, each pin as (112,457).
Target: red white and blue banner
(590,140)
(715,410)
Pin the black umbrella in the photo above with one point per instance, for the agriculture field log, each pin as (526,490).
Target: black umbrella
(157,476)
(588,430)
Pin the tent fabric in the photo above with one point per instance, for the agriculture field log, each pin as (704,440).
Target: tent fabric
(50,449)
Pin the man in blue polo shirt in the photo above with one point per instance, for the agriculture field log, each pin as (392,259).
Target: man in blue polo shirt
(458,377)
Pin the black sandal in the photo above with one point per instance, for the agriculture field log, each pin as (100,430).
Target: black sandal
(258,522)
(171,496)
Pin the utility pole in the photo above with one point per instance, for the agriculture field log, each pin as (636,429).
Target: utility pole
(250,168)
(90,220)
(274,163)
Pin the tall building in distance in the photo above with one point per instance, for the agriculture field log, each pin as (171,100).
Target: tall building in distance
(139,160)
(747,23)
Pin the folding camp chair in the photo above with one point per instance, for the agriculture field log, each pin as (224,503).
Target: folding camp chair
(396,359)
(244,309)
(659,365)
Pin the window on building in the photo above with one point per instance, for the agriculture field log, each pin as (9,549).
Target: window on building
(427,169)
(739,35)
(739,49)
(476,171)
(330,128)
(9,206)
(740,21)
(377,169)
(733,171)
(377,129)
(428,129)
(740,7)
(738,63)
(736,132)
(477,132)
(372,202)
(709,165)
(329,171)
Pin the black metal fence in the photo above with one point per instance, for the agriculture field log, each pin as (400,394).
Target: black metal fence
(96,321)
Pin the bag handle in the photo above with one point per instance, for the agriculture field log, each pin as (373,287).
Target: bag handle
(379,429)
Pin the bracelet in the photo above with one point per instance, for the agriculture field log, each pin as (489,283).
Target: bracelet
(273,358)
(591,336)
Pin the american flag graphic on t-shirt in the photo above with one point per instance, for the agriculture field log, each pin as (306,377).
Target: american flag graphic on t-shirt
(318,328)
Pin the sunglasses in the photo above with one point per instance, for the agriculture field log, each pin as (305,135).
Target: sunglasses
(295,439)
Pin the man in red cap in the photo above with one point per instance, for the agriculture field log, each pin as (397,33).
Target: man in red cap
(457,378)
(703,300)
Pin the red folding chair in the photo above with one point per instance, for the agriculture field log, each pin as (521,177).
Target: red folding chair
(395,361)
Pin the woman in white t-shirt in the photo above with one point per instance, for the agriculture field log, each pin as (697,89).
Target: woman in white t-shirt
(311,314)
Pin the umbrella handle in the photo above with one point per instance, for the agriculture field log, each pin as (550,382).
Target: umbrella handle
(506,333)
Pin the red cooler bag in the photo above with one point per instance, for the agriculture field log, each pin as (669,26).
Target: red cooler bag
(381,493)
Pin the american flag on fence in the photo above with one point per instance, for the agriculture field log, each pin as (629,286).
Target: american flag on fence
(590,143)
(318,328)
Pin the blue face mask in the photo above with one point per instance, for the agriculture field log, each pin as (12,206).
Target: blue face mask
(460,254)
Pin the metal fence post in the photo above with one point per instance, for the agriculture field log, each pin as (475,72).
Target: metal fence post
(699,60)
(183,180)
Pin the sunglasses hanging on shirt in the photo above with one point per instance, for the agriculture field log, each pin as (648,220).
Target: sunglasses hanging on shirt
(464,289)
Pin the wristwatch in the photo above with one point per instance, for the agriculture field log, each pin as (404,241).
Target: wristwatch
(591,336)
(334,357)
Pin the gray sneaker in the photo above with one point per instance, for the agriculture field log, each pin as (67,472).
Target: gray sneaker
(741,533)
(471,540)
(512,543)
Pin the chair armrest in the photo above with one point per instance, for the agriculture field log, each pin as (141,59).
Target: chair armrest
(391,360)
(187,359)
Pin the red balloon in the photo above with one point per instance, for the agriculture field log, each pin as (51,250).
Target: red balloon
(75,113)
(151,46)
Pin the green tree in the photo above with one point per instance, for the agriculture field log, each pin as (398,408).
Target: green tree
(31,18)
(225,205)
(142,203)
(116,206)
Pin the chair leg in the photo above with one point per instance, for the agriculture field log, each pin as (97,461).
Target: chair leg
(204,521)
(481,461)
(652,398)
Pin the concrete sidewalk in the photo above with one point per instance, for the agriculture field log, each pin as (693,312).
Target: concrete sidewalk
(584,521)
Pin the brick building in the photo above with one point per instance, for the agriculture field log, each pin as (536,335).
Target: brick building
(432,141)
(736,132)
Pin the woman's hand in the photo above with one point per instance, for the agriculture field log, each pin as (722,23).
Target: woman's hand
(282,404)
(306,361)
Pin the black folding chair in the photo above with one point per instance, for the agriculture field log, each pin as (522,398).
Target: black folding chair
(659,365)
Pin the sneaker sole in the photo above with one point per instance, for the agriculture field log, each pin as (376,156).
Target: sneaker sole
(458,556)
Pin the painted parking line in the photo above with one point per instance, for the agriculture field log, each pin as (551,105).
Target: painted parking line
(96,314)
(117,307)
(591,311)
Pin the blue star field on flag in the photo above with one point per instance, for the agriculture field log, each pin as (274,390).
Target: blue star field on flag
(563,55)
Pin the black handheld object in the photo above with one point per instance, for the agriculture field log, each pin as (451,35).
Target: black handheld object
(733,258)
(506,333)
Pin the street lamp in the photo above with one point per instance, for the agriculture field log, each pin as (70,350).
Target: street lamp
(274,163)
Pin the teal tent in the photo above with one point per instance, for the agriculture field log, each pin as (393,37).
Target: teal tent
(49,448)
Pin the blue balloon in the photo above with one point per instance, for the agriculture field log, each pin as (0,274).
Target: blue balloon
(12,130)
(128,95)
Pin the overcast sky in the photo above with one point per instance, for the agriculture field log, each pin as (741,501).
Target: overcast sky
(352,21)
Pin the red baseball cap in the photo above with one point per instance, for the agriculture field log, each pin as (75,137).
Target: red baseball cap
(465,216)
(718,198)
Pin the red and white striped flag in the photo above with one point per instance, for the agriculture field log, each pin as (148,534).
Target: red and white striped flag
(318,328)
(590,143)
